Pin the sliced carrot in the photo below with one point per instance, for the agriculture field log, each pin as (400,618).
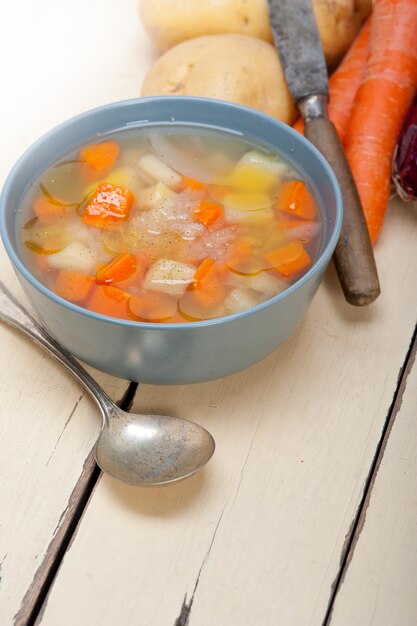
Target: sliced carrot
(202,272)
(244,258)
(210,289)
(345,81)
(289,259)
(110,204)
(42,265)
(207,212)
(72,286)
(44,208)
(240,258)
(304,230)
(111,301)
(296,200)
(192,184)
(100,156)
(153,306)
(134,281)
(118,269)
(202,304)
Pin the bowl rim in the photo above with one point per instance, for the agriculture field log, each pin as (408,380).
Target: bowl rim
(322,260)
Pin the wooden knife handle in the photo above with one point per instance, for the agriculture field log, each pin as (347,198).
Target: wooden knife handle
(353,256)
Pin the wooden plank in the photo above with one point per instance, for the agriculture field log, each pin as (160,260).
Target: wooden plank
(59,60)
(48,427)
(380,578)
(257,537)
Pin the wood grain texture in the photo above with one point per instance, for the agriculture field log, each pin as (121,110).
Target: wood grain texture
(58,60)
(380,581)
(256,538)
(48,427)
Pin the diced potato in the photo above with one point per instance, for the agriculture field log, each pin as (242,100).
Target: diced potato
(76,257)
(266,284)
(247,201)
(240,299)
(236,216)
(169,277)
(252,178)
(127,176)
(278,168)
(150,197)
(159,171)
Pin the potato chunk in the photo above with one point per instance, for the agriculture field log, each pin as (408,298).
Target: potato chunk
(76,257)
(169,277)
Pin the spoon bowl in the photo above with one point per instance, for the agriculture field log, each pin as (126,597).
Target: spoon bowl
(152,449)
(136,449)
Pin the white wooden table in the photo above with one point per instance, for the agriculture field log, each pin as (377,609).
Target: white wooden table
(306,516)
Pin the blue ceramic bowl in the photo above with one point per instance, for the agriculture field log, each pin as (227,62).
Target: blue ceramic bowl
(173,353)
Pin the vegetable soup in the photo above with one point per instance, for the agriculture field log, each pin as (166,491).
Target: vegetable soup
(169,224)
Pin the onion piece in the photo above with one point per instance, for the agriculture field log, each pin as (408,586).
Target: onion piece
(175,158)
(156,169)
(404,166)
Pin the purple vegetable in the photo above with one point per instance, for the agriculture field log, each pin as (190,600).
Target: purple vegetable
(404,166)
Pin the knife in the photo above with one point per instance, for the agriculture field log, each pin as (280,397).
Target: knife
(298,44)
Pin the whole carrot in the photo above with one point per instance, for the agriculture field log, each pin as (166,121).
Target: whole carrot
(383,98)
(345,81)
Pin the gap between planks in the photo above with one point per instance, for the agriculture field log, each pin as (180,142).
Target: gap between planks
(358,522)
(34,599)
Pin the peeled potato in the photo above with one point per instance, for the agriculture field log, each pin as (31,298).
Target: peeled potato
(169,22)
(236,68)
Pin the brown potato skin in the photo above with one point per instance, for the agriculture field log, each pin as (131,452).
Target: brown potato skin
(169,22)
(236,68)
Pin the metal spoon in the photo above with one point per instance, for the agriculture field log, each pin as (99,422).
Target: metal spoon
(136,449)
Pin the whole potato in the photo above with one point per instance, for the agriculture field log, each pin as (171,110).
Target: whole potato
(169,22)
(236,68)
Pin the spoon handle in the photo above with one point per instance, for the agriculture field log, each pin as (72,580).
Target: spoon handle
(15,315)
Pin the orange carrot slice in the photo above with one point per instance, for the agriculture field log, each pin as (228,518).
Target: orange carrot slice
(109,204)
(203,272)
(100,156)
(296,200)
(207,212)
(118,269)
(192,184)
(44,208)
(289,259)
(153,306)
(72,286)
(245,259)
(304,230)
(111,301)
(209,289)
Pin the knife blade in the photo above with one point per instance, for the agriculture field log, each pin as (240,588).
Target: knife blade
(298,44)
